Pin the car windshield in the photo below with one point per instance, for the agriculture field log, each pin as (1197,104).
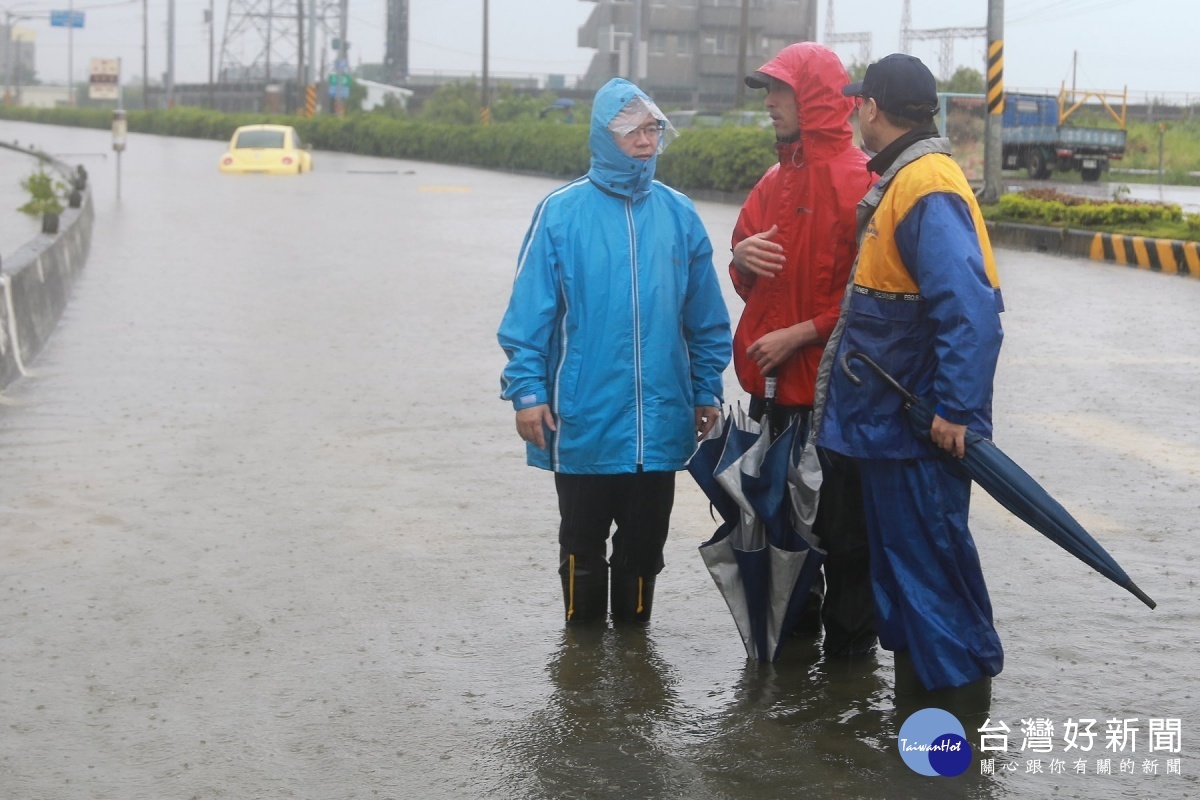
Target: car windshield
(260,139)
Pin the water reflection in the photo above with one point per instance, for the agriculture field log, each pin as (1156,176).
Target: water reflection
(615,725)
(601,732)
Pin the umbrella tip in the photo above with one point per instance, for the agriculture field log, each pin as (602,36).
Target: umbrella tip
(1140,595)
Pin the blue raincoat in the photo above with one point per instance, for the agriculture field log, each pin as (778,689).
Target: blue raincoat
(616,318)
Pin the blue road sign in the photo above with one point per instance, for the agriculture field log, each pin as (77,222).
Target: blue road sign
(66,19)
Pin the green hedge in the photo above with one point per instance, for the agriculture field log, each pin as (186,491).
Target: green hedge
(1120,215)
(717,159)
(1020,206)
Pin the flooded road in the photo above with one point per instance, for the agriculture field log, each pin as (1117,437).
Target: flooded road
(266,531)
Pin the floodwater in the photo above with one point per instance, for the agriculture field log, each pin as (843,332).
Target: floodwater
(266,531)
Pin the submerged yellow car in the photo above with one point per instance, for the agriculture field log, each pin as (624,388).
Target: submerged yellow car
(269,149)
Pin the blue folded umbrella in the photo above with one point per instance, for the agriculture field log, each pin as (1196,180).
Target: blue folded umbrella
(763,565)
(1011,486)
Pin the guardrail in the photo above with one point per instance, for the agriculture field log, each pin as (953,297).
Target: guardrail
(36,280)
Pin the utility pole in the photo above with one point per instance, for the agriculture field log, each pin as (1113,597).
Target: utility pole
(70,52)
(212,23)
(270,30)
(300,71)
(1074,69)
(635,55)
(312,42)
(343,56)
(993,147)
(743,34)
(10,45)
(170,87)
(145,56)
(485,111)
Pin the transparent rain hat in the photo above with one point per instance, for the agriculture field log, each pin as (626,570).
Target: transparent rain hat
(633,116)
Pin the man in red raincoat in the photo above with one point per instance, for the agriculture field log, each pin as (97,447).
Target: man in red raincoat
(793,248)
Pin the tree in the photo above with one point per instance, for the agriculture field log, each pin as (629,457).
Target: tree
(965,80)
(512,106)
(454,103)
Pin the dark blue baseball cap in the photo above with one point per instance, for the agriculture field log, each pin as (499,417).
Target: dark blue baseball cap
(899,84)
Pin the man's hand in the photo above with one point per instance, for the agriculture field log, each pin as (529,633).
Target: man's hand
(948,436)
(776,347)
(759,255)
(530,422)
(706,417)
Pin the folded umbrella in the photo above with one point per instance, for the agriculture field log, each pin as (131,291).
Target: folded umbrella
(763,565)
(1011,486)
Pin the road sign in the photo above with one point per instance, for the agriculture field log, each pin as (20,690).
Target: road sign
(339,85)
(105,79)
(66,19)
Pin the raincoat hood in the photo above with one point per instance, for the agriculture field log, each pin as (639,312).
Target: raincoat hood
(611,169)
(816,76)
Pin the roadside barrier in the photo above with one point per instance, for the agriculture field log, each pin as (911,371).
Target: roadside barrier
(36,280)
(1170,256)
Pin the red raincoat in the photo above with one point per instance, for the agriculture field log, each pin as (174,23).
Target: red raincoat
(811,194)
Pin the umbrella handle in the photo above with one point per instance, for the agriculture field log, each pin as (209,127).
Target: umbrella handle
(909,397)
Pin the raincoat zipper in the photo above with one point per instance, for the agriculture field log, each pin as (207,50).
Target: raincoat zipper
(637,328)
(562,360)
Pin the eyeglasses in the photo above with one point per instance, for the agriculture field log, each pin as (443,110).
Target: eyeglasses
(651,130)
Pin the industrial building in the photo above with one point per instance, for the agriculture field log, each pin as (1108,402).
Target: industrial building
(688,51)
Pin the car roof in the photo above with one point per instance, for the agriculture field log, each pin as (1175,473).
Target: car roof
(264,128)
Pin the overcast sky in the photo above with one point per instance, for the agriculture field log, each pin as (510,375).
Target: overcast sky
(1142,44)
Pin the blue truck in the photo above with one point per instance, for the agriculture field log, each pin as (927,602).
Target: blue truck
(1035,136)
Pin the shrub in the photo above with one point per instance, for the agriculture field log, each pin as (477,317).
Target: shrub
(46,194)
(1052,207)
(726,159)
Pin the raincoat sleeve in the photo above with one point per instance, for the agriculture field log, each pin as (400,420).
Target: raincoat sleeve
(938,243)
(750,221)
(706,323)
(528,324)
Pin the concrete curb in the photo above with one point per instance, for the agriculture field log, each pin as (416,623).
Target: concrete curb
(35,283)
(1171,256)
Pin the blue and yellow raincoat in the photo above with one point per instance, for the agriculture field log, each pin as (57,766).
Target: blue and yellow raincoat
(924,303)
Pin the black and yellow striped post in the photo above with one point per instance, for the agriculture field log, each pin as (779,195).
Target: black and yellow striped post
(993,146)
(310,100)
(995,77)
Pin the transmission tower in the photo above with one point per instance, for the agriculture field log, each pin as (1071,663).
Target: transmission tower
(863,39)
(395,57)
(262,38)
(946,36)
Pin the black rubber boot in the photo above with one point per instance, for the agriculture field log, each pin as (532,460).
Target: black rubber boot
(632,598)
(809,622)
(585,594)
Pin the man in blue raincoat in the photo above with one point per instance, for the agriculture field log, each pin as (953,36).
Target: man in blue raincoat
(925,305)
(616,335)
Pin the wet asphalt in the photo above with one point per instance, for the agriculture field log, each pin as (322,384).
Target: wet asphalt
(266,530)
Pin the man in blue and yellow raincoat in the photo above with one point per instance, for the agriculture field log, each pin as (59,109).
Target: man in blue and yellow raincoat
(617,336)
(924,303)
